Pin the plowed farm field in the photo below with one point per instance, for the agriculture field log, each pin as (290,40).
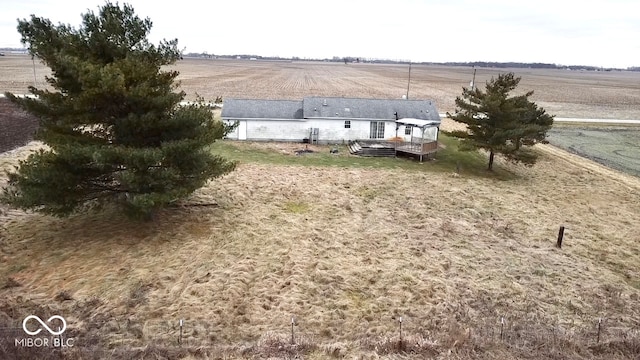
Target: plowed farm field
(564,93)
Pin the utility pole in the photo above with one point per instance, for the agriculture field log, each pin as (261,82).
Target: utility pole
(473,82)
(409,82)
(34,70)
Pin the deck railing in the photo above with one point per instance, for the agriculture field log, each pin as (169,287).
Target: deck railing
(425,148)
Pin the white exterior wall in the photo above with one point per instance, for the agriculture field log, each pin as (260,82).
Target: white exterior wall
(407,138)
(334,130)
(330,130)
(234,133)
(282,130)
(240,131)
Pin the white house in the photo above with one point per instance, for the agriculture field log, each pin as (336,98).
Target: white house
(332,119)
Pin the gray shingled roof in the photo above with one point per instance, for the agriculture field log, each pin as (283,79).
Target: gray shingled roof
(369,108)
(314,107)
(262,109)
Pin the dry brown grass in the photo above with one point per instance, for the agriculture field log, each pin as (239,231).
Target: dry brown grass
(346,252)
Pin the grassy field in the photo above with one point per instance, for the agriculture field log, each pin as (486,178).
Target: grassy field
(448,159)
(347,250)
(347,246)
(616,147)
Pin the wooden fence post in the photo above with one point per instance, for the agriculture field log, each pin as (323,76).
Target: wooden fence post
(560,237)
(293,321)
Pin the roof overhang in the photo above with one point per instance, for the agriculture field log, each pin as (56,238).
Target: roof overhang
(231,118)
(340,118)
(418,122)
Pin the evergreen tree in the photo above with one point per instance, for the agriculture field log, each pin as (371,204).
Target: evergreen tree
(113,124)
(499,123)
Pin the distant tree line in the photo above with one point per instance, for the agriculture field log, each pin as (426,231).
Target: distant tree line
(13,49)
(501,64)
(489,64)
(241,56)
(348,59)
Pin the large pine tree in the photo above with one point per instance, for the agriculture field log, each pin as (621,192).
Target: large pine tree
(113,124)
(499,123)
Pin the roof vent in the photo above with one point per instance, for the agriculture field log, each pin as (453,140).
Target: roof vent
(324,103)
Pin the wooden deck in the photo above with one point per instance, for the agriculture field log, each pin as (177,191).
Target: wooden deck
(390,149)
(416,149)
(373,149)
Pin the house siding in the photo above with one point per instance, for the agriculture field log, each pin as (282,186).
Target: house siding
(232,134)
(274,120)
(277,130)
(330,130)
(334,130)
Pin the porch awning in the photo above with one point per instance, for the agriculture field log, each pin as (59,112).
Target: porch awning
(418,122)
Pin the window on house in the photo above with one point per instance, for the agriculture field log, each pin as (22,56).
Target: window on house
(376,130)
(347,124)
(407,130)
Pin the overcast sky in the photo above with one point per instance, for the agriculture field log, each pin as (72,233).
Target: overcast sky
(598,33)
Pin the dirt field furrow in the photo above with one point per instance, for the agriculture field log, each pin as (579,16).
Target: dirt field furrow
(564,93)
